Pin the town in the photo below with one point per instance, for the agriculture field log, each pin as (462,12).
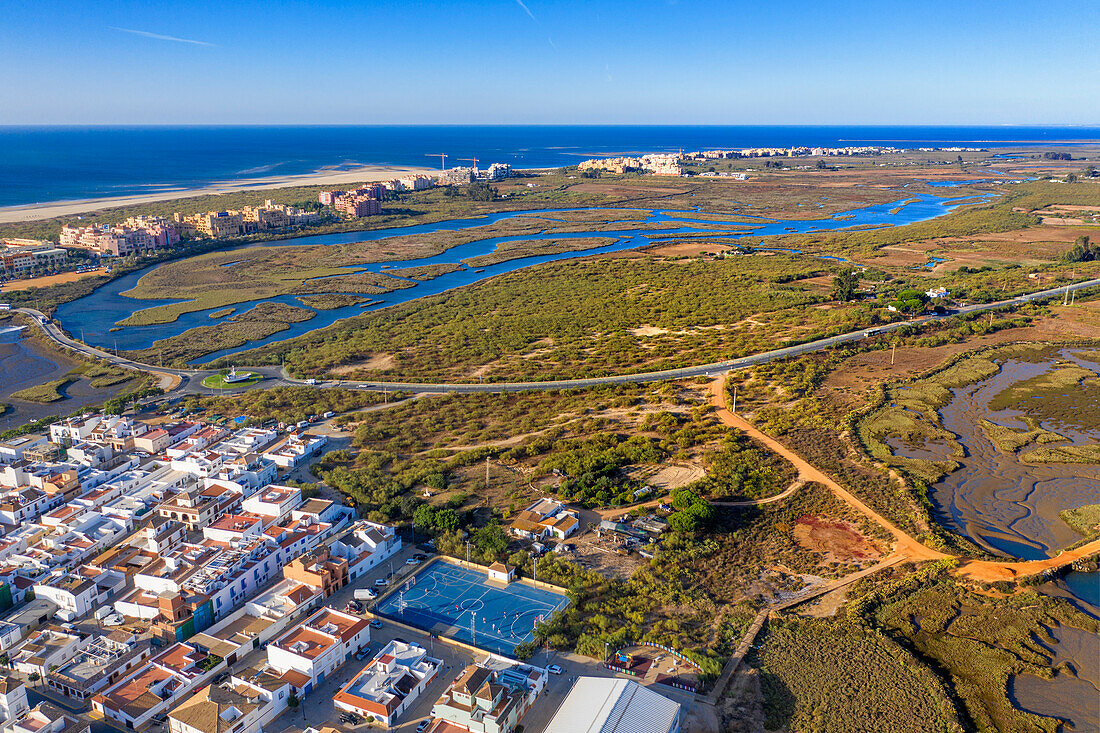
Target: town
(166,573)
(97,243)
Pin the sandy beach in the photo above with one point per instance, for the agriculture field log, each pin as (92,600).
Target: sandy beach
(364,174)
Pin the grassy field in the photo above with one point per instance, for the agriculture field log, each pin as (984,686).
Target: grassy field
(832,408)
(1083,519)
(285,404)
(46,393)
(331,301)
(531,247)
(1011,440)
(834,676)
(1068,394)
(974,641)
(1064,454)
(583,318)
(258,322)
(425,272)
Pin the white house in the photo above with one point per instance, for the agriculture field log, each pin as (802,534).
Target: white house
(80,592)
(152,688)
(274,503)
(13,700)
(364,545)
(317,647)
(239,706)
(389,684)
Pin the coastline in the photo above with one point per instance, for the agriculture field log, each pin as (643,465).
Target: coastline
(363,174)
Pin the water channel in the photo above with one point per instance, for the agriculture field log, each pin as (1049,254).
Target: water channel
(92,317)
(1011,509)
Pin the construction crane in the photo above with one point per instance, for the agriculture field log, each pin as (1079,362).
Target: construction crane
(472,159)
(442,160)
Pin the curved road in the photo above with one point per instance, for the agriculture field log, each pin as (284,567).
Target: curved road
(191,379)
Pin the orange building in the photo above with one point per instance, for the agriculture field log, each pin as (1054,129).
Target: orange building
(318,569)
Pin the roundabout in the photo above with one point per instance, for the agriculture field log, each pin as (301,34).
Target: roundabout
(232,380)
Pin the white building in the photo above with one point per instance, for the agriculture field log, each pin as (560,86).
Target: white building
(238,706)
(273,503)
(80,592)
(13,700)
(47,718)
(152,688)
(612,705)
(317,647)
(365,545)
(295,449)
(389,684)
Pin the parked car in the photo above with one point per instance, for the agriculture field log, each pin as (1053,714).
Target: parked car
(554,669)
(382,582)
(423,725)
(420,556)
(375,623)
(412,561)
(363,653)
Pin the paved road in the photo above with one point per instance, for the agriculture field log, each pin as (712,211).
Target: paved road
(191,379)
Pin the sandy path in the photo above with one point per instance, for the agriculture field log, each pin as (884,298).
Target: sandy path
(365,174)
(906,545)
(795,486)
(988,571)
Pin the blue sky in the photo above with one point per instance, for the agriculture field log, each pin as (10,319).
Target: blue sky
(543,61)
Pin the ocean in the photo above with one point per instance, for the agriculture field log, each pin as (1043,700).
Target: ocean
(42,164)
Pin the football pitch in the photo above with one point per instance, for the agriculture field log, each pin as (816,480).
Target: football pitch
(463,604)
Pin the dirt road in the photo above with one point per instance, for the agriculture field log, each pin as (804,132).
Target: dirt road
(988,571)
(905,545)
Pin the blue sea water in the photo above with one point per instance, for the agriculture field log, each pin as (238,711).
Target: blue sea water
(41,164)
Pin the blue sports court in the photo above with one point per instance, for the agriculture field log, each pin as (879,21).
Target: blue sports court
(463,604)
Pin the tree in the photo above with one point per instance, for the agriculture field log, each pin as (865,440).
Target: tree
(481,191)
(446,520)
(821,165)
(525,650)
(491,541)
(292,701)
(845,284)
(424,516)
(1082,251)
(683,522)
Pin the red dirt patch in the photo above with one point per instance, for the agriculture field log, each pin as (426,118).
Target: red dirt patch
(836,539)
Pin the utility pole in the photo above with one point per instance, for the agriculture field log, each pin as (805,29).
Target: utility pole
(893,351)
(734,399)
(486,473)
(467,552)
